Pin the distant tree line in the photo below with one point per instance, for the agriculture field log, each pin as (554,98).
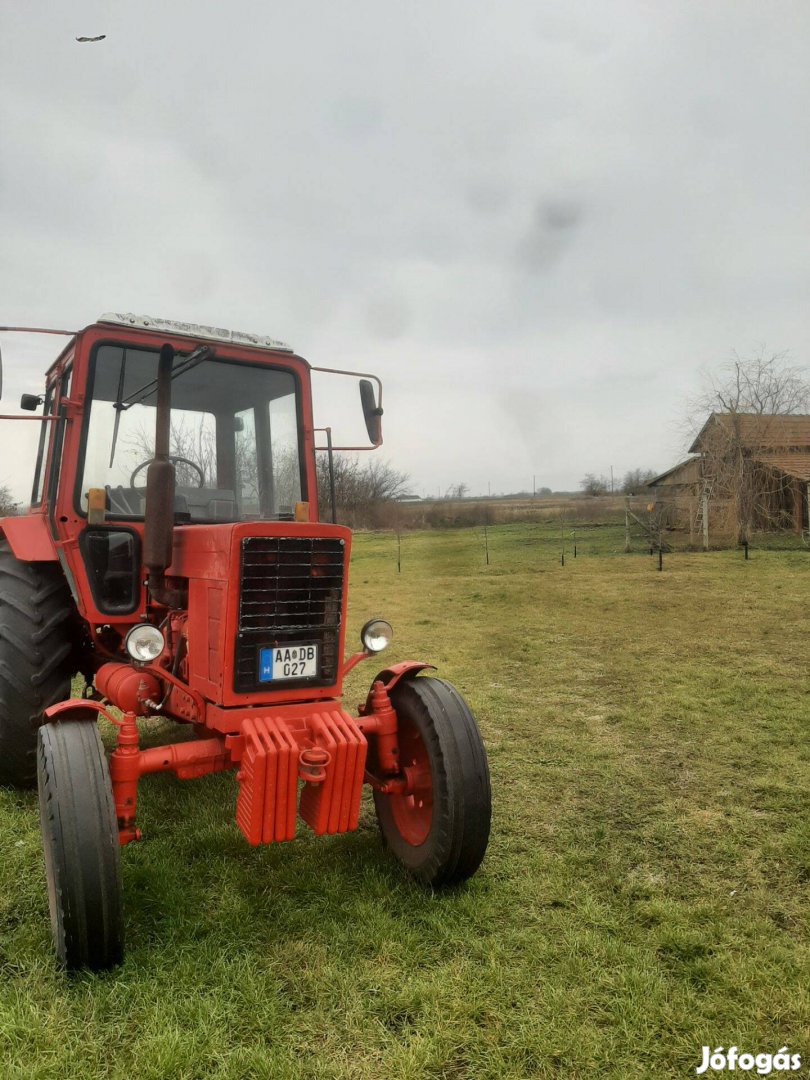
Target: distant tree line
(634,481)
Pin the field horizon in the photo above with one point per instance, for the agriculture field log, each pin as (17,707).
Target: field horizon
(646,888)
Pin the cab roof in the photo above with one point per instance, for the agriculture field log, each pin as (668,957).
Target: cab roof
(194,330)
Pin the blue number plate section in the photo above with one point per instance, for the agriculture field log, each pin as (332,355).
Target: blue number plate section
(288,662)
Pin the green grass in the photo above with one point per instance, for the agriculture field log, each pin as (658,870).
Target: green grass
(645,891)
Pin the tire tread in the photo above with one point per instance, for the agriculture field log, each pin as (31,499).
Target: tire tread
(80,838)
(37,657)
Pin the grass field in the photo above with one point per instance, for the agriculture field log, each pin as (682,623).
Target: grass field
(645,892)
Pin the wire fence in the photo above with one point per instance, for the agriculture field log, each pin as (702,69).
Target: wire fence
(548,543)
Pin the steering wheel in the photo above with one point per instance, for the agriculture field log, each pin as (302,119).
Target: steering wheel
(175,461)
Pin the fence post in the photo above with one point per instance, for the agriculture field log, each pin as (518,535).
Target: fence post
(626,525)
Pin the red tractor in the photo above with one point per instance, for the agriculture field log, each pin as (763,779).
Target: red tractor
(173,556)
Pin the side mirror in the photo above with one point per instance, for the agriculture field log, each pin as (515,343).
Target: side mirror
(371,411)
(31,402)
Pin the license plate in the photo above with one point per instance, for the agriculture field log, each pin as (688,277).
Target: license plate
(288,662)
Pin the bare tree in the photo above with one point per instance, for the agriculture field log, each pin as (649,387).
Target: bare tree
(360,490)
(746,405)
(194,444)
(9,507)
(594,485)
(760,385)
(635,480)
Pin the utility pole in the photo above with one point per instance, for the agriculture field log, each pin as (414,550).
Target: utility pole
(611,479)
(534,486)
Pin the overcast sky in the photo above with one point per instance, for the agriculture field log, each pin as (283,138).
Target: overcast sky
(536,221)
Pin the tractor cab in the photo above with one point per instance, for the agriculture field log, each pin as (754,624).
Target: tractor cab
(171,455)
(236,436)
(241,435)
(173,555)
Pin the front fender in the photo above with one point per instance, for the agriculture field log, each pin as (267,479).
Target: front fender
(390,676)
(80,709)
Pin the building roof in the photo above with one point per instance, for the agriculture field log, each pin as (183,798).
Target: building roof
(760,430)
(781,442)
(685,472)
(795,464)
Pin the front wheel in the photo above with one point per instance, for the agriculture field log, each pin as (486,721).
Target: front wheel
(440,829)
(80,842)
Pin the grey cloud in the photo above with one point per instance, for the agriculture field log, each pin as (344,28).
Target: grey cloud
(514,199)
(548,236)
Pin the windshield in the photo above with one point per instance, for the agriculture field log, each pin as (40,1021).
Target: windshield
(234,437)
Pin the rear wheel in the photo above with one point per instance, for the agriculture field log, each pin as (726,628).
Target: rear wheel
(440,829)
(80,842)
(36,653)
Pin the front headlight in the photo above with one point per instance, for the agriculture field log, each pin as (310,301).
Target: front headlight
(144,643)
(376,635)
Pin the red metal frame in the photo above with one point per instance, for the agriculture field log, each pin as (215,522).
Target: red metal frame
(295,750)
(30,538)
(316,743)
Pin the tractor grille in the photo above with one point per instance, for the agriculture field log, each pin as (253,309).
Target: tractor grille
(290,592)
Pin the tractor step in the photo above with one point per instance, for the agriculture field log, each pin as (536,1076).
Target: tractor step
(327,752)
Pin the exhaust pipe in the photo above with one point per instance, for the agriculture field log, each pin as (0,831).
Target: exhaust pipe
(158,532)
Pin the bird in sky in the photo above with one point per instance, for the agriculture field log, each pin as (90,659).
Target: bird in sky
(99,38)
